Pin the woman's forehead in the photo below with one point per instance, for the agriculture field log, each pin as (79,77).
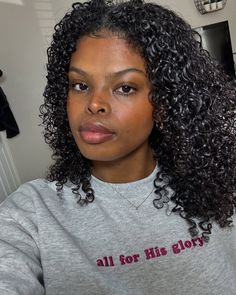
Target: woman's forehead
(112,51)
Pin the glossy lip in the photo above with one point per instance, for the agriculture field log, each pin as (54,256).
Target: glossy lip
(95,133)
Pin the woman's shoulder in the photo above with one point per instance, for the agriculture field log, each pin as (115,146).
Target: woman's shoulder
(31,195)
(30,189)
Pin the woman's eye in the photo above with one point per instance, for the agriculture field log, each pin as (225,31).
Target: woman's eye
(125,90)
(79,87)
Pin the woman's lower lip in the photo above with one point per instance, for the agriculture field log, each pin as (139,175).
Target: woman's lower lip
(95,137)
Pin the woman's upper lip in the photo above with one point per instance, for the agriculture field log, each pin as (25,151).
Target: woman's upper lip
(96,127)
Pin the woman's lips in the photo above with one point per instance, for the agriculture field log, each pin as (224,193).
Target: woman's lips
(95,133)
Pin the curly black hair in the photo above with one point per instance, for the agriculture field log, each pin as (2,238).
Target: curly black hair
(194,109)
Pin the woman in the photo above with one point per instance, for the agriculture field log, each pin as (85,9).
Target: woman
(140,198)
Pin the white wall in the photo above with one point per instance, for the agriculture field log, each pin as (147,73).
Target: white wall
(24,31)
(22,59)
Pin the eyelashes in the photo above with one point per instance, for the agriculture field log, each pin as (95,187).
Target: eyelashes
(124,89)
(78,87)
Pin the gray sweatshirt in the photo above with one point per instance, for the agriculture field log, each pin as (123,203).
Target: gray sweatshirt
(50,245)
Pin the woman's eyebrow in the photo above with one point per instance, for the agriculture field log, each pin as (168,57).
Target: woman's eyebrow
(113,74)
(78,71)
(125,71)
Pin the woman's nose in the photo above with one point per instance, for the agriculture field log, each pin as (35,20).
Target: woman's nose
(99,103)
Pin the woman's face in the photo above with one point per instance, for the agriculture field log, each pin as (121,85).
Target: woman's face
(109,112)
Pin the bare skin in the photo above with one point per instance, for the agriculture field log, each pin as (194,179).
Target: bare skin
(109,112)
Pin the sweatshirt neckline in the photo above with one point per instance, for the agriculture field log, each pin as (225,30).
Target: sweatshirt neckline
(145,180)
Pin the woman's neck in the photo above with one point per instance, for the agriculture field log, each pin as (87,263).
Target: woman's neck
(123,171)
